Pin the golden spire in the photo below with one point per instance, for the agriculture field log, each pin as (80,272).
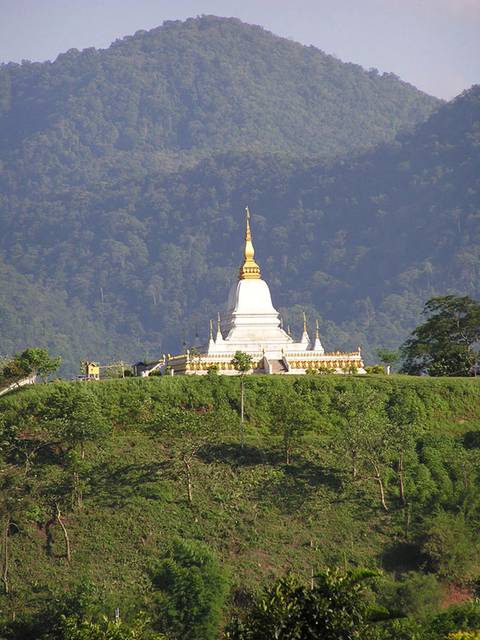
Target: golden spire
(317,335)
(304,323)
(250,269)
(211,329)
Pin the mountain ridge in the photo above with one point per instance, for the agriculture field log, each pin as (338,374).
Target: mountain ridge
(148,92)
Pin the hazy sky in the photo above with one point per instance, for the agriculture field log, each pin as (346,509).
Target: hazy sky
(434,44)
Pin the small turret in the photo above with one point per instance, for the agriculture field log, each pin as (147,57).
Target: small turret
(219,337)
(211,341)
(317,345)
(305,338)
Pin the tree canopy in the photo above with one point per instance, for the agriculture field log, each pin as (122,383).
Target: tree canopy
(447,343)
(335,606)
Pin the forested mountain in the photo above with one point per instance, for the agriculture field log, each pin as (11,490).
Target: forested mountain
(117,251)
(188,89)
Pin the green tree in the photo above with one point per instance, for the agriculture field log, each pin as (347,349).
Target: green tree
(190,432)
(364,434)
(403,413)
(336,606)
(76,415)
(190,588)
(76,412)
(242,363)
(450,546)
(38,361)
(464,617)
(388,358)
(290,417)
(446,344)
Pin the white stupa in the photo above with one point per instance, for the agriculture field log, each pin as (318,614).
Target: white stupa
(252,325)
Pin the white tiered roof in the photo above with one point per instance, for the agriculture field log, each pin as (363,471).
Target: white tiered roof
(252,323)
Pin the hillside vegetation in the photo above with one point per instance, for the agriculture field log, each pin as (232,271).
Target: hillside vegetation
(110,458)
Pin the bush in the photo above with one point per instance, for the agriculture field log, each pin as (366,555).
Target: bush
(450,546)
(190,591)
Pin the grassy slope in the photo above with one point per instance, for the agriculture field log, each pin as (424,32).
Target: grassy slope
(260,517)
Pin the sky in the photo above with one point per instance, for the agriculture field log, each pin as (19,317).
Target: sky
(434,44)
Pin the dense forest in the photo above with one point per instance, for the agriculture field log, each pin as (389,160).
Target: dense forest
(190,89)
(125,172)
(138,495)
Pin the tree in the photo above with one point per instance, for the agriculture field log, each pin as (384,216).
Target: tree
(38,361)
(450,546)
(77,414)
(57,495)
(364,434)
(76,614)
(290,417)
(403,413)
(77,417)
(190,432)
(190,588)
(242,362)
(445,345)
(336,606)
(388,358)
(463,619)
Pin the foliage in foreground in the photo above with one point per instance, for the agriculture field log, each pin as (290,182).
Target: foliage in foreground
(190,589)
(334,606)
(99,480)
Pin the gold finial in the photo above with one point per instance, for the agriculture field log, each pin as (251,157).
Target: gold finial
(304,323)
(218,321)
(250,269)
(317,335)
(211,329)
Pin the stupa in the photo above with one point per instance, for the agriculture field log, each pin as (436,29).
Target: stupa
(252,325)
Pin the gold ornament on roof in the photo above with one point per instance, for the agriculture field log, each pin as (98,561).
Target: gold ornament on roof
(250,269)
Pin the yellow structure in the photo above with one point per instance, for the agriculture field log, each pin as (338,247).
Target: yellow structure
(91,370)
